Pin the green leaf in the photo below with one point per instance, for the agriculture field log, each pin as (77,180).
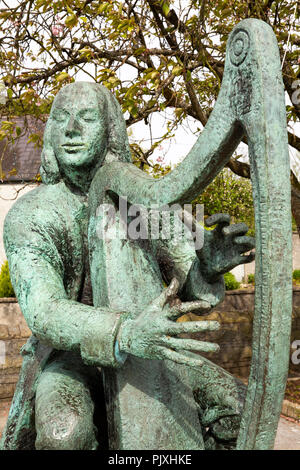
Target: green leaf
(188,75)
(139,51)
(177,70)
(154,74)
(165,8)
(113,80)
(71,21)
(5,14)
(62,76)
(102,8)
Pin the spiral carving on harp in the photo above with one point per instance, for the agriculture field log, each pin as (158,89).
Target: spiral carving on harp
(239,47)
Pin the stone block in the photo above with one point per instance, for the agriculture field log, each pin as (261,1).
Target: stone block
(7,390)
(4,332)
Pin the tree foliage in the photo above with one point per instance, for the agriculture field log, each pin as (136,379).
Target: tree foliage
(6,288)
(154,55)
(230,282)
(229,194)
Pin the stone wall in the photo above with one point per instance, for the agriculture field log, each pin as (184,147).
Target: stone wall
(295,368)
(235,315)
(13,334)
(235,336)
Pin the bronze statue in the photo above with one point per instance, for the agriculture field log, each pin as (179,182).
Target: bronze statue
(104,326)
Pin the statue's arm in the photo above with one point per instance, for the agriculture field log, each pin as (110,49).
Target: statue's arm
(54,318)
(198,287)
(200,269)
(179,259)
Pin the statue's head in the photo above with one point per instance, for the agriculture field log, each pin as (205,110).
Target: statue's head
(85,129)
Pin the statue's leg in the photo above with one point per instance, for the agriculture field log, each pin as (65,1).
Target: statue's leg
(220,397)
(64,408)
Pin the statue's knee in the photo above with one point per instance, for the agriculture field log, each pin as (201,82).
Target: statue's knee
(66,433)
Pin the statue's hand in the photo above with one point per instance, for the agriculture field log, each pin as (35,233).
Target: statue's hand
(152,335)
(224,247)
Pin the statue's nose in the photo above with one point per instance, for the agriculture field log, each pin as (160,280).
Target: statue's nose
(73,129)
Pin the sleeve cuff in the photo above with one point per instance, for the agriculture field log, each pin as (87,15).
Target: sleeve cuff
(99,345)
(120,356)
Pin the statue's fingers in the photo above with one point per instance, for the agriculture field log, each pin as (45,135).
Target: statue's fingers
(248,242)
(222,220)
(168,293)
(248,258)
(228,267)
(173,328)
(235,229)
(180,358)
(200,306)
(189,344)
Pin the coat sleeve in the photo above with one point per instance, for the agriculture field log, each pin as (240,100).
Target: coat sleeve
(37,274)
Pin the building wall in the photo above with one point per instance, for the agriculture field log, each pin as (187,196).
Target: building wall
(9,193)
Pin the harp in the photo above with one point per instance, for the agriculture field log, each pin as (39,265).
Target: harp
(250,103)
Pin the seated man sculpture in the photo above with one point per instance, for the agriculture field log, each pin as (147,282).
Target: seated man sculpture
(47,247)
(104,325)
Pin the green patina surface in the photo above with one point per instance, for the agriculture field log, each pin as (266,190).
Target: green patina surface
(159,394)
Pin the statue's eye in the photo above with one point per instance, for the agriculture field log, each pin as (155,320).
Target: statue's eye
(89,115)
(59,115)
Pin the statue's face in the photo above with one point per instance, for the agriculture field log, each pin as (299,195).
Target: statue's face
(78,131)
